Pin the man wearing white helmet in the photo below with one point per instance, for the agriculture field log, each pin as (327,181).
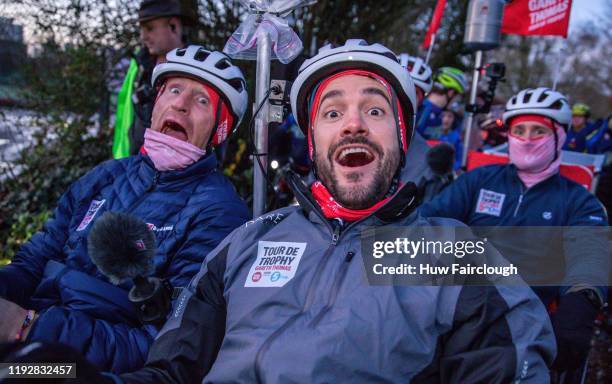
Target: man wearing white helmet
(284,298)
(531,192)
(420,73)
(53,292)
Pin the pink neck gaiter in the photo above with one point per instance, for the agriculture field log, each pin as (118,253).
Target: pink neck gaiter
(534,157)
(169,153)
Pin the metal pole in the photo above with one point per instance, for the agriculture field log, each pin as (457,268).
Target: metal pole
(469,117)
(431,45)
(557,70)
(264,51)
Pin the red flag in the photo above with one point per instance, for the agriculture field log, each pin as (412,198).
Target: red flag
(435,22)
(537,17)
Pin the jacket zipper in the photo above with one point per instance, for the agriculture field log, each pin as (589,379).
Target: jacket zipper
(335,238)
(144,195)
(335,288)
(307,303)
(520,201)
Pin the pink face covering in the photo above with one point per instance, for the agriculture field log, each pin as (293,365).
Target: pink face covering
(534,158)
(169,153)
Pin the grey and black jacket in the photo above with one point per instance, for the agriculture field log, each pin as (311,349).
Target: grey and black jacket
(326,324)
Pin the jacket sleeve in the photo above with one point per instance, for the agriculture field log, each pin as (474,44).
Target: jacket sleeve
(19,279)
(125,113)
(499,335)
(455,201)
(204,233)
(117,347)
(187,345)
(585,245)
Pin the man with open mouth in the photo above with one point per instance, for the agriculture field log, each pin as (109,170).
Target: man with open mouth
(284,299)
(55,291)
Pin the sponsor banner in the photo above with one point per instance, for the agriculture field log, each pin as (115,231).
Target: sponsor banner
(537,17)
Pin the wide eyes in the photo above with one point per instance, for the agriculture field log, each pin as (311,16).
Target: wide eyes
(199,99)
(333,114)
(376,112)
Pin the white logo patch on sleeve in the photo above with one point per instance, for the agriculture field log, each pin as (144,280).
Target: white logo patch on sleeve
(94,207)
(275,265)
(490,203)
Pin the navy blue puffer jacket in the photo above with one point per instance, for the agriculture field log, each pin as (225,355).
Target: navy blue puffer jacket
(190,211)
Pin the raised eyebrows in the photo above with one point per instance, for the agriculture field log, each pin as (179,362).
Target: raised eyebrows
(365,91)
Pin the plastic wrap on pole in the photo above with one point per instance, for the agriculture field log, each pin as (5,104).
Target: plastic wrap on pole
(278,7)
(286,45)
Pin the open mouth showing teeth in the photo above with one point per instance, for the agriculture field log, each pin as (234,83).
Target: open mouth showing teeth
(355,157)
(174,129)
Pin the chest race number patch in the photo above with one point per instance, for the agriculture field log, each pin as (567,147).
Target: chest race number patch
(275,265)
(490,202)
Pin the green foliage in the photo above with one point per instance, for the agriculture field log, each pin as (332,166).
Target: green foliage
(67,144)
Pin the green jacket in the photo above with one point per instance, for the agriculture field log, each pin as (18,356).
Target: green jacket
(125,113)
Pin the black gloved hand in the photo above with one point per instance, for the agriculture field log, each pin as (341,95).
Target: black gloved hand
(573,323)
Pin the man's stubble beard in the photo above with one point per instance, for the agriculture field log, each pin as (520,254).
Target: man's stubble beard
(356,196)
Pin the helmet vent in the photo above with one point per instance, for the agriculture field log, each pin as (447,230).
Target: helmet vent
(237,84)
(223,64)
(543,96)
(181,52)
(201,55)
(527,97)
(557,105)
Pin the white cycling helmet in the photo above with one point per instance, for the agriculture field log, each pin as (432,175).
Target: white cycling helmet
(355,54)
(539,101)
(419,71)
(212,67)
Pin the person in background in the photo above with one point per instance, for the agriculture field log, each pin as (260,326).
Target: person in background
(604,185)
(531,192)
(163,27)
(449,86)
(584,135)
(421,75)
(449,133)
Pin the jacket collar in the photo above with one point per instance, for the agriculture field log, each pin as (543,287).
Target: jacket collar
(399,207)
(147,171)
(512,171)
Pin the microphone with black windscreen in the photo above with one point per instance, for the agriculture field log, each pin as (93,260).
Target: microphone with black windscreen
(123,247)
